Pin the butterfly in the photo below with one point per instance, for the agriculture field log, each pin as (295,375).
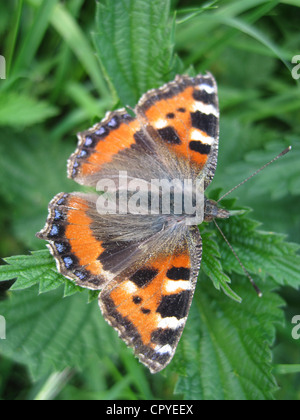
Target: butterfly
(136,238)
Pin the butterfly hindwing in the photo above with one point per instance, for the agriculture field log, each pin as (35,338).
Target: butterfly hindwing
(149,307)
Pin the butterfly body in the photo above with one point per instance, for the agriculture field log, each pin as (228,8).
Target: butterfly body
(137,239)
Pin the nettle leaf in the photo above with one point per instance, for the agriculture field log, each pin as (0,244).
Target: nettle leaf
(237,160)
(226,346)
(37,268)
(279,179)
(134,43)
(23,110)
(32,174)
(212,266)
(48,333)
(262,253)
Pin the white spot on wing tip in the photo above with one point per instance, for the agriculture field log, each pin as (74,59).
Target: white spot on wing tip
(164,349)
(208,89)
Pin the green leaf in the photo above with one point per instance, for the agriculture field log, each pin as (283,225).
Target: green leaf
(212,267)
(50,333)
(134,43)
(226,346)
(256,34)
(31,180)
(280,179)
(34,36)
(262,253)
(37,268)
(20,110)
(73,35)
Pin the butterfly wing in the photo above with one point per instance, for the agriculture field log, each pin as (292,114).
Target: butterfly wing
(105,142)
(71,240)
(183,116)
(177,124)
(149,307)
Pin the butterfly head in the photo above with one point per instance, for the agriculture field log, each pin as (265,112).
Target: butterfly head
(212,211)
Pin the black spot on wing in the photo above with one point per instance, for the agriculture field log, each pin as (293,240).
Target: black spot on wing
(178,273)
(199,147)
(207,123)
(204,80)
(165,336)
(143,276)
(161,358)
(137,300)
(174,305)
(170,115)
(145,311)
(169,135)
(204,97)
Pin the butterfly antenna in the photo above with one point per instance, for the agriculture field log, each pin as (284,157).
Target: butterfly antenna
(256,172)
(256,288)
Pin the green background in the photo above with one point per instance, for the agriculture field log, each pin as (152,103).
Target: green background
(67,63)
